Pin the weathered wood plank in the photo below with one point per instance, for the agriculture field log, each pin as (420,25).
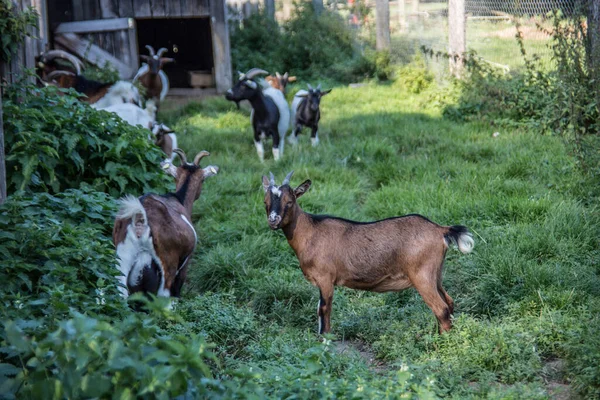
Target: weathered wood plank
(173,8)
(91,9)
(142,9)
(134,54)
(126,8)
(220,42)
(92,53)
(43,30)
(100,25)
(158,9)
(187,9)
(77,10)
(108,8)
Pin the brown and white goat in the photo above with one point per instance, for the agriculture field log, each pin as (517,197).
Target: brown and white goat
(154,235)
(165,138)
(388,255)
(151,74)
(280,81)
(48,62)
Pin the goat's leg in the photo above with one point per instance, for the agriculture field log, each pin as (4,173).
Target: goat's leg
(178,282)
(324,307)
(259,146)
(446,297)
(314,137)
(293,138)
(276,153)
(428,290)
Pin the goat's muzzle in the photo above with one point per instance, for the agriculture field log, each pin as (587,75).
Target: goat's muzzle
(274,221)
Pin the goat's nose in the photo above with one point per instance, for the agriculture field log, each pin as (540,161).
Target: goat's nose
(274,218)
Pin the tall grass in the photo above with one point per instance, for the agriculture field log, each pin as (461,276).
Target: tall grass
(529,294)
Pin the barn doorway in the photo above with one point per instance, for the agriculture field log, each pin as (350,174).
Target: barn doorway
(189,42)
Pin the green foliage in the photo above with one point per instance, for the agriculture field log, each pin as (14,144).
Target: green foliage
(308,45)
(57,255)
(107,74)
(14,27)
(55,142)
(414,77)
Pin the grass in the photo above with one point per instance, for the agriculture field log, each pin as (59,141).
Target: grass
(529,294)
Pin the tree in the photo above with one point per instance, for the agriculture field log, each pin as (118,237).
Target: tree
(382,8)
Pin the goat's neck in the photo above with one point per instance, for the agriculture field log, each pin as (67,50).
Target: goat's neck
(259,105)
(299,230)
(186,197)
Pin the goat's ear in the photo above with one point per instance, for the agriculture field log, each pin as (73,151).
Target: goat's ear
(169,168)
(165,60)
(303,188)
(251,84)
(301,95)
(144,57)
(266,183)
(325,92)
(292,79)
(210,171)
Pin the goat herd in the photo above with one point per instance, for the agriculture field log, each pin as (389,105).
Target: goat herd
(155,237)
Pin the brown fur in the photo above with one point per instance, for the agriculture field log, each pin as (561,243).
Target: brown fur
(172,238)
(164,141)
(280,82)
(388,255)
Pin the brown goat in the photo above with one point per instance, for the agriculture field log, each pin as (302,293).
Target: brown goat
(280,81)
(388,255)
(151,75)
(154,235)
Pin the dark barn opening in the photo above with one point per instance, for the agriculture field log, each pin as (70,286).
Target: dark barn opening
(188,40)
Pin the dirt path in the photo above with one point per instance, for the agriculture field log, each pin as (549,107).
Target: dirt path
(364,351)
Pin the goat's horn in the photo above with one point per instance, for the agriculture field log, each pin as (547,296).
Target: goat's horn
(161,51)
(52,54)
(271,179)
(287,179)
(255,71)
(150,50)
(181,155)
(309,87)
(55,74)
(319,87)
(241,75)
(200,155)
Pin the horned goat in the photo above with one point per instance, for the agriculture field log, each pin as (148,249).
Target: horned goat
(388,255)
(270,112)
(151,74)
(280,81)
(306,113)
(154,235)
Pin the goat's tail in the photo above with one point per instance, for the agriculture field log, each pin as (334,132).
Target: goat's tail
(131,207)
(460,236)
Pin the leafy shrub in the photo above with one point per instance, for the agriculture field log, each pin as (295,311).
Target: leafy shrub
(414,77)
(308,45)
(56,142)
(56,255)
(14,26)
(107,74)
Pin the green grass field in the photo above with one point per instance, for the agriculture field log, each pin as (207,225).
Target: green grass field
(527,299)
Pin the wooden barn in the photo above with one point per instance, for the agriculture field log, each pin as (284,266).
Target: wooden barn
(194,32)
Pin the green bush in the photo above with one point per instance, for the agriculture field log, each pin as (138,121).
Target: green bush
(414,77)
(55,142)
(308,45)
(14,26)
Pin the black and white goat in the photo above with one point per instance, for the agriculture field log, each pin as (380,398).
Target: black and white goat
(270,112)
(154,235)
(306,113)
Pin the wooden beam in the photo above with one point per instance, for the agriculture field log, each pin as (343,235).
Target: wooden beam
(220,44)
(382,22)
(126,8)
(158,9)
(99,25)
(92,53)
(108,9)
(2,157)
(142,9)
(134,52)
(457,36)
(173,8)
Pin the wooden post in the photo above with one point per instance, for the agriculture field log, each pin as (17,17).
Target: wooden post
(593,37)
(2,157)
(270,8)
(415,6)
(382,22)
(221,48)
(402,20)
(287,9)
(457,36)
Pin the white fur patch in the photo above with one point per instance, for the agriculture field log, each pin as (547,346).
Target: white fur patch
(319,316)
(260,150)
(275,190)
(466,243)
(174,140)
(315,140)
(272,216)
(165,84)
(276,154)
